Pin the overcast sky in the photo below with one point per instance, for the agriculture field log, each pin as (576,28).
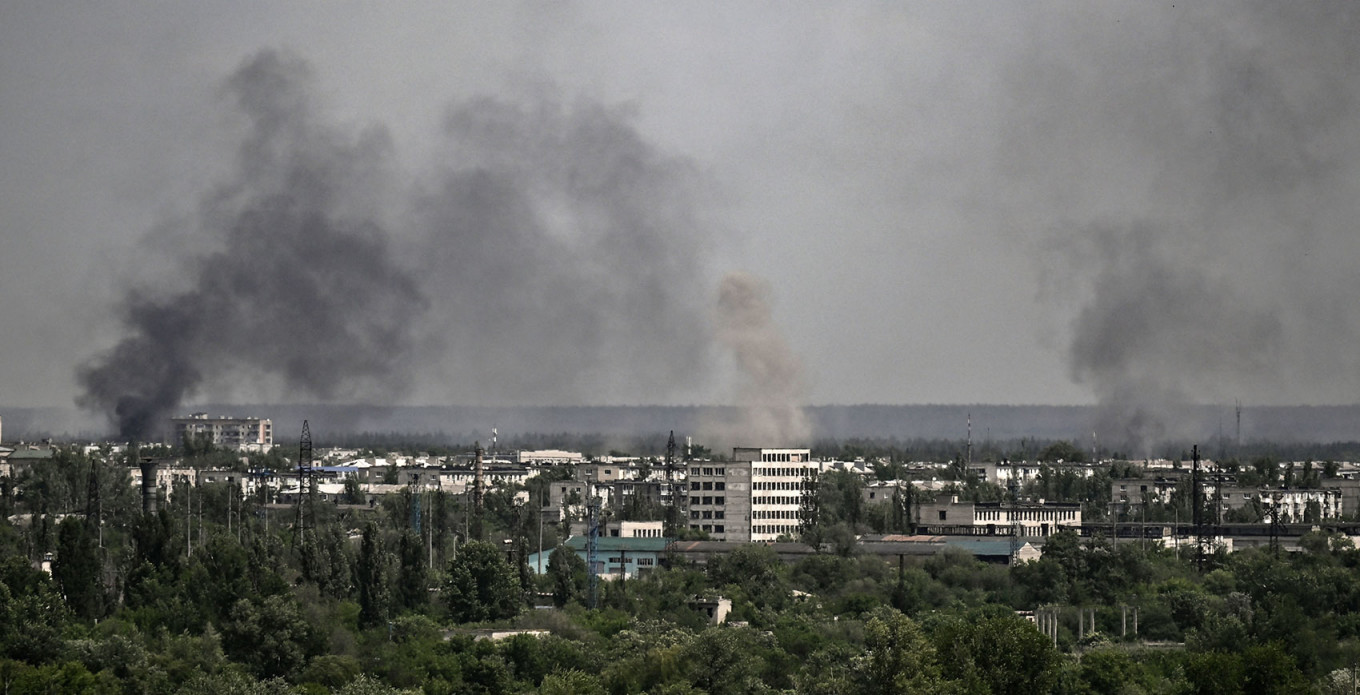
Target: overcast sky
(948,202)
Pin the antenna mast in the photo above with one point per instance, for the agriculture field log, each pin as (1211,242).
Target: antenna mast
(968,449)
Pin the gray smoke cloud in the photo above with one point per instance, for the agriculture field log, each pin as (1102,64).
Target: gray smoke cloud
(553,256)
(298,284)
(566,258)
(771,387)
(1194,174)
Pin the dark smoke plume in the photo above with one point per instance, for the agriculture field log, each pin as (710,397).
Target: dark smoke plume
(552,257)
(771,388)
(1195,173)
(299,282)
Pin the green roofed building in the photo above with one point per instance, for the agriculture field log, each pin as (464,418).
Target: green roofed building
(616,556)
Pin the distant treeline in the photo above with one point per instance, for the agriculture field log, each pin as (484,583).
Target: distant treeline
(643,429)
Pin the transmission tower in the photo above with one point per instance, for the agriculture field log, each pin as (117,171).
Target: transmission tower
(306,475)
(1199,518)
(477,492)
(673,510)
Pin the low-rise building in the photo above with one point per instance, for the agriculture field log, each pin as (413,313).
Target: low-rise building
(615,556)
(1034,519)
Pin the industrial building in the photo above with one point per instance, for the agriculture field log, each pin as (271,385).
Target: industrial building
(243,433)
(757,496)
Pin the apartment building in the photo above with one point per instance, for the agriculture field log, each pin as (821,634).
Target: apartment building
(243,433)
(757,496)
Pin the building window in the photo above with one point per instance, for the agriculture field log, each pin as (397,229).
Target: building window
(718,514)
(943,515)
(693,515)
(720,486)
(707,514)
(719,500)
(694,500)
(718,528)
(708,485)
(708,500)
(694,486)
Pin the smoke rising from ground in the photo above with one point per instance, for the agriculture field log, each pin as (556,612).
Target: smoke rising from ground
(1196,174)
(297,285)
(771,388)
(566,258)
(553,257)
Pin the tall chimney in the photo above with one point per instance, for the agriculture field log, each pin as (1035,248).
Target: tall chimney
(148,466)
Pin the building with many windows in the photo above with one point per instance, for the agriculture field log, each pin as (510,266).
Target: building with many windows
(720,499)
(244,433)
(757,496)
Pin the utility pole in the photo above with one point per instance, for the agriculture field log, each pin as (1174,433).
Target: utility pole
(593,548)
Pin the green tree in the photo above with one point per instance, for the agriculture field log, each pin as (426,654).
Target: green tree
(897,658)
(567,571)
(571,682)
(371,577)
(994,650)
(412,591)
(77,569)
(481,585)
(271,637)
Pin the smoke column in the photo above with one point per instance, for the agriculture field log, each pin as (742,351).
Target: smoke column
(567,257)
(547,255)
(1193,204)
(771,387)
(296,282)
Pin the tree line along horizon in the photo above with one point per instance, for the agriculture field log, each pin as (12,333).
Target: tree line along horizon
(361,602)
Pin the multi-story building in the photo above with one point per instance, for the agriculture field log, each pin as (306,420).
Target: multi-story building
(757,496)
(779,482)
(245,433)
(720,499)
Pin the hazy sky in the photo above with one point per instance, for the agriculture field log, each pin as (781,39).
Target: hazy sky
(949,202)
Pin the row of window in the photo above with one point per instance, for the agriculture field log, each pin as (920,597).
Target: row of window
(779,529)
(641,561)
(720,485)
(782,472)
(707,514)
(708,500)
(715,529)
(707,471)
(775,514)
(1029,515)
(792,485)
(777,499)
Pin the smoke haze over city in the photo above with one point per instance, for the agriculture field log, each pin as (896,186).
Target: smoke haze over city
(526,204)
